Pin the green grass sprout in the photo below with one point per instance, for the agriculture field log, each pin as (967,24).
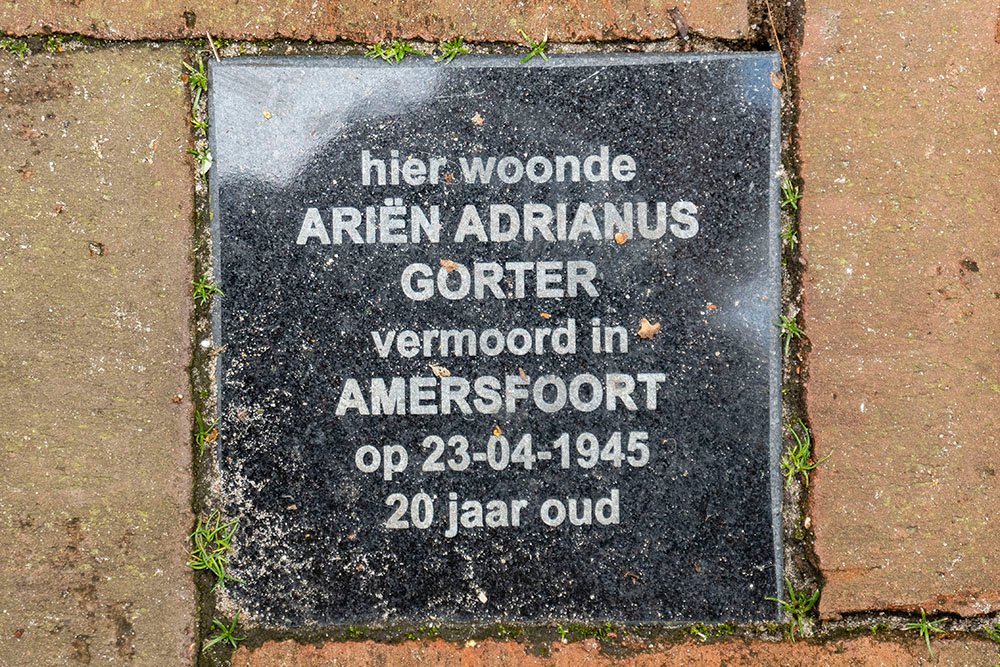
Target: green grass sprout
(211,544)
(54,44)
(535,47)
(925,628)
(18,47)
(203,157)
(790,194)
(204,433)
(451,49)
(391,52)
(796,460)
(226,633)
(198,124)
(797,606)
(196,79)
(789,329)
(204,288)
(790,236)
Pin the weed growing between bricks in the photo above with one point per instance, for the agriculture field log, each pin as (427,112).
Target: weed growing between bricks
(778,26)
(615,639)
(216,616)
(209,551)
(214,611)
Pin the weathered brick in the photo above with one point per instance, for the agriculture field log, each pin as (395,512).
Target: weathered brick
(863,652)
(902,302)
(95,454)
(365,21)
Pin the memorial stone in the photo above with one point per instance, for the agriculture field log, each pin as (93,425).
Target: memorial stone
(498,342)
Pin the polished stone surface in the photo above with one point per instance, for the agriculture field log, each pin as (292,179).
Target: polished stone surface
(379,476)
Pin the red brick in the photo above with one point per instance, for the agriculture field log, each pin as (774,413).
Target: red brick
(366,21)
(94,345)
(862,652)
(902,302)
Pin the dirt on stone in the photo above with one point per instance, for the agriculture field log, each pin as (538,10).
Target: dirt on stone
(94,282)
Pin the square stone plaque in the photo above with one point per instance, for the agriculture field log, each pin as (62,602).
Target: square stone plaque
(498,341)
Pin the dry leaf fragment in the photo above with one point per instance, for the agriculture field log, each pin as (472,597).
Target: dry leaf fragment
(212,437)
(448,177)
(647,329)
(711,306)
(497,431)
(478,120)
(678,19)
(545,316)
(448,265)
(522,374)
(777,80)
(267,114)
(620,238)
(440,371)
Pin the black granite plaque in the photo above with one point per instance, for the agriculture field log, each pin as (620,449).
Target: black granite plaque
(499,341)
